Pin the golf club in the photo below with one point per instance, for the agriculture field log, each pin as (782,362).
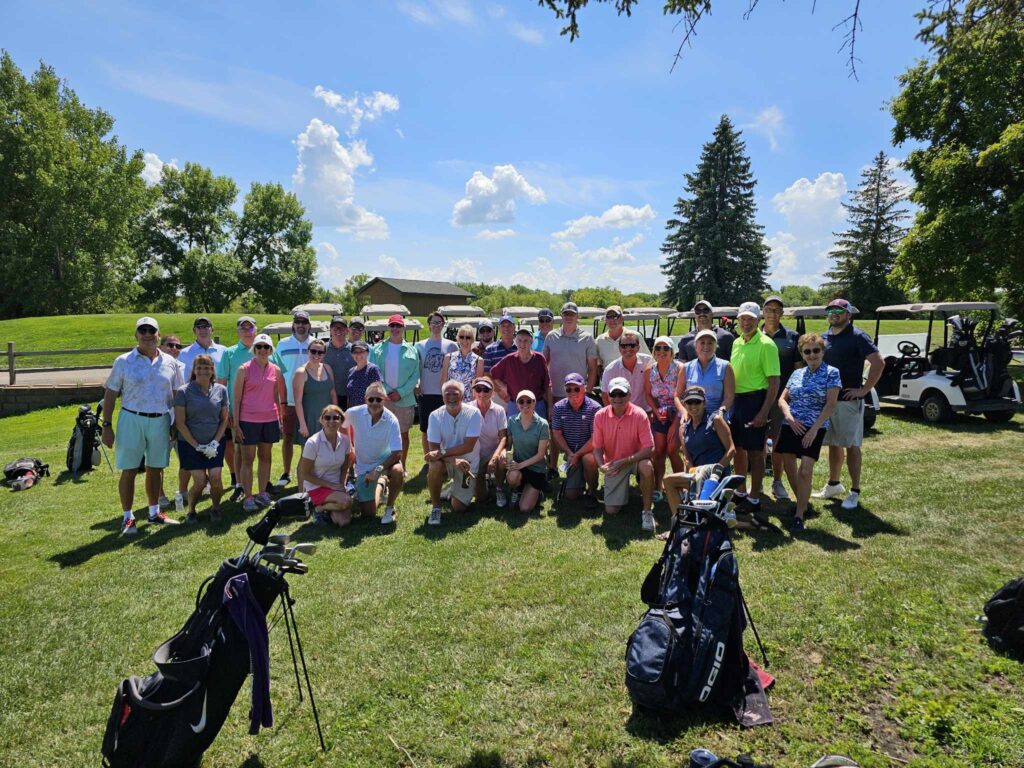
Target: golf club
(307,548)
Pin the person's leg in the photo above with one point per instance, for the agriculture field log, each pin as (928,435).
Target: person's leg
(339,506)
(515,479)
(836,454)
(437,473)
(789,464)
(755,460)
(853,463)
(529,498)
(265,454)
(396,479)
(216,486)
(153,476)
(229,459)
(405,448)
(126,489)
(740,467)
(198,481)
(499,472)
(248,456)
(590,473)
(287,449)
(658,459)
(646,471)
(183,477)
(674,457)
(675,486)
(803,488)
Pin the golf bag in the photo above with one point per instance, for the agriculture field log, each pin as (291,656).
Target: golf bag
(171,717)
(84,445)
(1004,618)
(23,473)
(688,647)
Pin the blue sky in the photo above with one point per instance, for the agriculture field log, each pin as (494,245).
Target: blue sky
(448,139)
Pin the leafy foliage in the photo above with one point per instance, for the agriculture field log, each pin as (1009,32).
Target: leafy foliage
(346,295)
(493,297)
(714,248)
(866,252)
(966,106)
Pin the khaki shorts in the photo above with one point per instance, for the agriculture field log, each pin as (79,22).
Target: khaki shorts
(456,475)
(406,415)
(616,487)
(846,424)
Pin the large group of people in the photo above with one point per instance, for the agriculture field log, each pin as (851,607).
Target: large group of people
(506,415)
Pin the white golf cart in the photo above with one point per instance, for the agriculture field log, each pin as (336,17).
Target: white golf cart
(461,310)
(872,403)
(966,373)
(377,329)
(317,329)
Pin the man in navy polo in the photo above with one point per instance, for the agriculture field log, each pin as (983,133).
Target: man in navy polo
(789,360)
(572,429)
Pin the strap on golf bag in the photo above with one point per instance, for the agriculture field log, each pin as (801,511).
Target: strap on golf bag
(1004,613)
(23,466)
(84,446)
(172,716)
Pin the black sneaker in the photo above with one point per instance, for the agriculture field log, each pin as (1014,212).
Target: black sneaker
(215,516)
(282,482)
(796,524)
(237,495)
(553,473)
(599,496)
(191,518)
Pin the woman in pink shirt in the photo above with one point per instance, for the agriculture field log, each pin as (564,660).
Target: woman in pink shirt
(259,393)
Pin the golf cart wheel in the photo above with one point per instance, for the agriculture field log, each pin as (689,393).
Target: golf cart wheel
(870,414)
(935,409)
(999,417)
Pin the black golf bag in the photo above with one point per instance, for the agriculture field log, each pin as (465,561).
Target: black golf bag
(171,717)
(1004,618)
(688,648)
(25,466)
(84,445)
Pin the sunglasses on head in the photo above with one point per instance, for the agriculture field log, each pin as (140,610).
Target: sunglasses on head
(812,351)
(317,352)
(480,388)
(146,330)
(375,399)
(172,345)
(331,417)
(629,345)
(524,401)
(261,346)
(573,389)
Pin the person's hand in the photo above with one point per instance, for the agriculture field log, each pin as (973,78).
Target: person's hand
(758,421)
(809,436)
(304,431)
(107,438)
(797,427)
(432,456)
(394,397)
(492,466)
(463,465)
(856,394)
(416,391)
(573,459)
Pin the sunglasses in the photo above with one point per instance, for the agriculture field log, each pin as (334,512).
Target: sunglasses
(465,338)
(359,351)
(300,322)
(375,399)
(630,345)
(146,330)
(573,389)
(618,394)
(395,325)
(834,311)
(545,319)
(702,311)
(772,311)
(481,389)
(317,352)
(435,321)
(693,402)
(524,401)
(261,346)
(172,345)
(203,327)
(662,348)
(812,351)
(331,417)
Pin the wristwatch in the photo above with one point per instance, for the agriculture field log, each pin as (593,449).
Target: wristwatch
(443,451)
(106,423)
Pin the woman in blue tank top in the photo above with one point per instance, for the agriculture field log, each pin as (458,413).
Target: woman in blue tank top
(707,444)
(711,373)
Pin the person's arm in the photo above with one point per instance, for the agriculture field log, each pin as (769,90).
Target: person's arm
(652,404)
(559,438)
(346,468)
(334,385)
(412,379)
(479,368)
(831,399)
(499,450)
(497,372)
(223,426)
(725,437)
(876,365)
(787,414)
(237,396)
(280,396)
(728,388)
(591,374)
(539,456)
(109,397)
(298,386)
(183,431)
(445,362)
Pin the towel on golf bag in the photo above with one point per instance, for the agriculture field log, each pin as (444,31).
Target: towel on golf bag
(170,718)
(688,647)
(250,618)
(1004,614)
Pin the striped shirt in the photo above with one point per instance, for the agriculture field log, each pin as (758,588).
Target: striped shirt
(576,426)
(496,351)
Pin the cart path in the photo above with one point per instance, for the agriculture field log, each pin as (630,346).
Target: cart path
(90,378)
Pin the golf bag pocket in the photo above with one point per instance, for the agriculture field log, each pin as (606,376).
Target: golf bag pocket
(654,655)
(297,505)
(715,607)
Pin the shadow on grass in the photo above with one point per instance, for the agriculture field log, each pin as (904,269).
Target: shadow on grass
(68,477)
(416,483)
(960,422)
(252,761)
(664,728)
(570,513)
(622,528)
(452,523)
(865,523)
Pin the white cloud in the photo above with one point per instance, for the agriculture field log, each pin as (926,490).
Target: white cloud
(495,234)
(327,251)
(813,203)
(154,165)
(525,33)
(616,217)
(456,269)
(435,11)
(332,277)
(325,181)
(493,199)
(417,12)
(399,132)
(769,123)
(616,264)
(813,210)
(358,107)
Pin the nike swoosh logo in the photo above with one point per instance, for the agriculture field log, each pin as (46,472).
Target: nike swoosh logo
(201,725)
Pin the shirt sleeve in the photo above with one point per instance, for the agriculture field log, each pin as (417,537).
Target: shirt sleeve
(502,419)
(394,435)
(865,345)
(770,356)
(644,433)
(832,378)
(372,374)
(545,429)
(591,347)
(498,369)
(222,366)
(116,377)
(433,430)
(179,397)
(794,378)
(475,423)
(605,378)
(598,435)
(309,450)
(556,416)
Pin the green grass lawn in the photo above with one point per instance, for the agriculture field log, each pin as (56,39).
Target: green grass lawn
(498,639)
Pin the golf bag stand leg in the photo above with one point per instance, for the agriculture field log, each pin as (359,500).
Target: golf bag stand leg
(290,616)
(291,645)
(753,626)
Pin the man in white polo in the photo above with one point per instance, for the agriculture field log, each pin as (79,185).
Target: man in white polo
(608,342)
(377,439)
(203,345)
(630,366)
(452,435)
(145,378)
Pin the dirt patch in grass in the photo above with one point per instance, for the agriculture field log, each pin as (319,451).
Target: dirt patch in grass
(884,731)
(958,441)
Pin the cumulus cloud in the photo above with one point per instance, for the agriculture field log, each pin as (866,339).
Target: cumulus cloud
(495,234)
(325,181)
(616,217)
(813,211)
(491,199)
(154,166)
(525,33)
(456,269)
(769,123)
(458,11)
(813,203)
(358,107)
(617,264)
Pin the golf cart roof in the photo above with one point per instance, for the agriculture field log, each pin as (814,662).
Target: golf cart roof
(411,324)
(461,311)
(319,309)
(812,311)
(637,316)
(285,326)
(687,315)
(725,311)
(518,312)
(383,310)
(940,306)
(591,312)
(657,311)
(471,321)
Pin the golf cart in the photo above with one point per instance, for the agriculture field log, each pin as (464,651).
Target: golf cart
(452,325)
(317,328)
(461,310)
(800,315)
(377,329)
(522,315)
(966,373)
(646,321)
(329,310)
(383,310)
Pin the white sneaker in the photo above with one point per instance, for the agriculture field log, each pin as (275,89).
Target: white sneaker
(831,492)
(779,491)
(647,520)
(389,516)
(435,516)
(852,501)
(500,499)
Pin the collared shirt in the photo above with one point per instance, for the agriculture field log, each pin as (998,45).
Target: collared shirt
(847,351)
(146,386)
(406,372)
(808,392)
(576,425)
(688,350)
(568,353)
(517,375)
(358,380)
(526,441)
(711,377)
(538,342)
(450,431)
(608,348)
(189,354)
(637,395)
(373,442)
(621,436)
(494,352)
(789,352)
(491,425)
(202,410)
(340,361)
(232,359)
(753,362)
(327,459)
(289,356)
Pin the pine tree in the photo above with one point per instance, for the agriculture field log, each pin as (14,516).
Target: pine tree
(714,248)
(866,252)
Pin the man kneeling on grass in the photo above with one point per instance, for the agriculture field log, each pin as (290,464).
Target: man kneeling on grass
(452,435)
(377,438)
(327,457)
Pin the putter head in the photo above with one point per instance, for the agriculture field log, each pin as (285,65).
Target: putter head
(278,538)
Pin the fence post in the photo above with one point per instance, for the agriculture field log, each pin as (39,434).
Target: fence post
(10,362)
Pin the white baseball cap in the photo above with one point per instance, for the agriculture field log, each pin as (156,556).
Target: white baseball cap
(749,308)
(619,384)
(263,338)
(147,321)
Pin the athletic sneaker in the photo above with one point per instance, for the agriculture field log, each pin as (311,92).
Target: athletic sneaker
(165,503)
(647,520)
(500,499)
(389,516)
(779,491)
(435,516)
(283,481)
(831,492)
(657,496)
(796,524)
(249,505)
(128,527)
(161,518)
(852,501)
(237,495)
(514,501)
(263,499)
(215,515)
(192,518)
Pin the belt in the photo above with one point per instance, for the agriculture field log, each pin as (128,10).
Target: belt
(145,415)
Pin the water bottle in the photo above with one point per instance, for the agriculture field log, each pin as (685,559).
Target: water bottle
(712,481)
(699,758)
(179,503)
